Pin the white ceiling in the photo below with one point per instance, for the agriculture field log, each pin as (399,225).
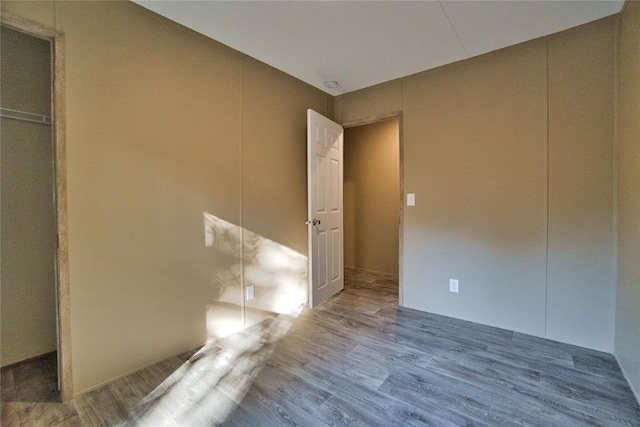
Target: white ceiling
(363,43)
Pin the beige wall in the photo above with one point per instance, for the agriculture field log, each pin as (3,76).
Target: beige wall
(474,150)
(507,188)
(274,186)
(165,191)
(186,173)
(368,103)
(581,123)
(27,213)
(372,196)
(627,345)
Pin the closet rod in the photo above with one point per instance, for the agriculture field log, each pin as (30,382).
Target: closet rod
(23,115)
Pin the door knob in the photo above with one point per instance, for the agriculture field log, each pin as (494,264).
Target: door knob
(313,222)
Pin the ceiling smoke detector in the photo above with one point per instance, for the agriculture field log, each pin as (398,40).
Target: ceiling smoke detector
(331,84)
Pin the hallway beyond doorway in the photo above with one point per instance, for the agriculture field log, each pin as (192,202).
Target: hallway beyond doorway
(372,202)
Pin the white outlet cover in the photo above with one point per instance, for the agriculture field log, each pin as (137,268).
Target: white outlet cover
(411,199)
(453,285)
(251,292)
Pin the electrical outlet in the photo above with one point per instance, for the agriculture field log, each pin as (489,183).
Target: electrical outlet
(453,285)
(251,292)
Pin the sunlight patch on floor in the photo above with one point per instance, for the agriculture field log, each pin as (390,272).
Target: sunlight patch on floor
(207,390)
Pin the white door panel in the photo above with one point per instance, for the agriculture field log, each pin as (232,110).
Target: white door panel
(325,215)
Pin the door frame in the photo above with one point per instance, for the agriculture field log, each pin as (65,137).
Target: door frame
(381,118)
(63,312)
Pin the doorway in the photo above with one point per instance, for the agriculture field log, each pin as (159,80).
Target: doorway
(33,221)
(372,196)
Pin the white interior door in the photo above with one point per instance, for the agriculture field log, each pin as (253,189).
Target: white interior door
(324,212)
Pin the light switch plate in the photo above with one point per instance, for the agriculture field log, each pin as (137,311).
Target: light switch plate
(411,199)
(251,292)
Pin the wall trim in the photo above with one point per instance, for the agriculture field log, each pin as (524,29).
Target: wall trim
(374,119)
(63,309)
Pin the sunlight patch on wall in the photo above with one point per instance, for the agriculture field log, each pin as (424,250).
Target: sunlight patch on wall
(206,389)
(278,273)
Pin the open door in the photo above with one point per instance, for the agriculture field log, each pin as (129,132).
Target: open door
(324,211)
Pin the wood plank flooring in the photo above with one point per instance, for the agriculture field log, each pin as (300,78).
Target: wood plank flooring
(360,360)
(31,381)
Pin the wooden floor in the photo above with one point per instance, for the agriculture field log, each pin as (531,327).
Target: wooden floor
(360,360)
(31,381)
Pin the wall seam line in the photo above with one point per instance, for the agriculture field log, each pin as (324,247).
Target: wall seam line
(547,170)
(454,29)
(241,199)
(401,172)
(616,136)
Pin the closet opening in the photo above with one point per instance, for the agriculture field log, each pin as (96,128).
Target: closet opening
(34,347)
